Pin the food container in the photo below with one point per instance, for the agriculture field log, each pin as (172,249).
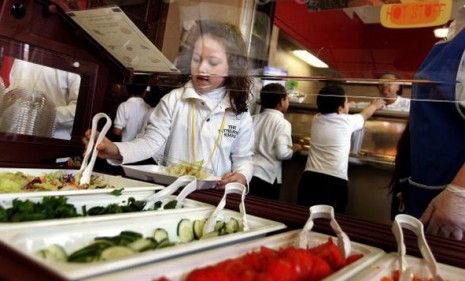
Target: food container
(93,200)
(117,182)
(425,268)
(176,270)
(157,174)
(390,262)
(28,241)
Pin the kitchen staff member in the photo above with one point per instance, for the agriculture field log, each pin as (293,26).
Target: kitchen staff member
(437,131)
(392,93)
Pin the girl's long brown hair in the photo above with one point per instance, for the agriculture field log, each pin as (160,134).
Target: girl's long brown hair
(237,83)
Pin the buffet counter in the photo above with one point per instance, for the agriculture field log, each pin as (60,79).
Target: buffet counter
(16,267)
(375,144)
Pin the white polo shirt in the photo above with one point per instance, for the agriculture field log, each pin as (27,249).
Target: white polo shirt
(273,143)
(130,117)
(330,143)
(172,123)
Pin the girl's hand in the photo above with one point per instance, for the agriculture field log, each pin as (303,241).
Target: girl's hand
(106,149)
(231,177)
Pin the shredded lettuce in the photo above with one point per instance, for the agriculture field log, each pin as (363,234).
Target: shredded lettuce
(13,182)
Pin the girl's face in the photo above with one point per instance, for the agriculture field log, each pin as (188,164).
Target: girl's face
(209,64)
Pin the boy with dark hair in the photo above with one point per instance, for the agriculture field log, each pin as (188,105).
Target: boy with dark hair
(325,180)
(273,142)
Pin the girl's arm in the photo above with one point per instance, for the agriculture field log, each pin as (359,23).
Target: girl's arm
(157,131)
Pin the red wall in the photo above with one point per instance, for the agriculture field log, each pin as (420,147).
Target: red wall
(355,49)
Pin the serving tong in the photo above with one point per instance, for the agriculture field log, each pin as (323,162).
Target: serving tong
(189,183)
(406,273)
(87,166)
(324,211)
(233,187)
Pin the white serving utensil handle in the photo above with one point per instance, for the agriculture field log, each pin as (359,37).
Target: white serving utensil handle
(405,221)
(87,166)
(186,180)
(233,187)
(327,212)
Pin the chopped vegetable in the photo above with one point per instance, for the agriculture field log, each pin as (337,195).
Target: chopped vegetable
(117,192)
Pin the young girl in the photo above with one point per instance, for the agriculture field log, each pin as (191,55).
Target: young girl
(207,119)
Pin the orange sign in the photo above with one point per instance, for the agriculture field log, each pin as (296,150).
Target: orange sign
(416,14)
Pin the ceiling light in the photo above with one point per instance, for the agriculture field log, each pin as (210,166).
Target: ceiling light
(309,58)
(441,32)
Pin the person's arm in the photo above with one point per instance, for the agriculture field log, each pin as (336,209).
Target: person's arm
(369,110)
(445,214)
(283,146)
(65,112)
(157,132)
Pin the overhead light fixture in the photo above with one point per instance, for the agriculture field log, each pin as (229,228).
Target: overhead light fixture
(309,58)
(441,32)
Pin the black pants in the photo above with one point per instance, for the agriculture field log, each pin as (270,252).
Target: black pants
(316,188)
(261,188)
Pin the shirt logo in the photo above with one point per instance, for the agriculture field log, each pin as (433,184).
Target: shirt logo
(231,131)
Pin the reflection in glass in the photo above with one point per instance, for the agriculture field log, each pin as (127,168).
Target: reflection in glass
(39,100)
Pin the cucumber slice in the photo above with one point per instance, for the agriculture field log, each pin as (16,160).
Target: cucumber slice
(53,253)
(116,252)
(219,225)
(141,245)
(198,228)
(210,235)
(185,231)
(160,234)
(232,226)
(164,244)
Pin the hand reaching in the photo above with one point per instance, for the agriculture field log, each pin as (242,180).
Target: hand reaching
(106,149)
(231,177)
(379,103)
(445,215)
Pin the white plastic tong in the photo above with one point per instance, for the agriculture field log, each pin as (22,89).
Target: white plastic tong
(233,187)
(327,212)
(189,183)
(413,224)
(86,168)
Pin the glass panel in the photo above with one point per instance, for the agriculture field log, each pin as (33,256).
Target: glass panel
(40,92)
(38,100)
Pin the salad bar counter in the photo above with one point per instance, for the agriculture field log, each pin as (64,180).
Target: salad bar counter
(139,231)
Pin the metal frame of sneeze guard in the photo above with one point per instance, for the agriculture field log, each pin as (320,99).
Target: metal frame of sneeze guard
(233,187)
(189,183)
(325,211)
(87,166)
(413,224)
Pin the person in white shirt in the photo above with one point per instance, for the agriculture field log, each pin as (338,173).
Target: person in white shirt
(206,119)
(325,179)
(129,119)
(273,142)
(60,87)
(392,93)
